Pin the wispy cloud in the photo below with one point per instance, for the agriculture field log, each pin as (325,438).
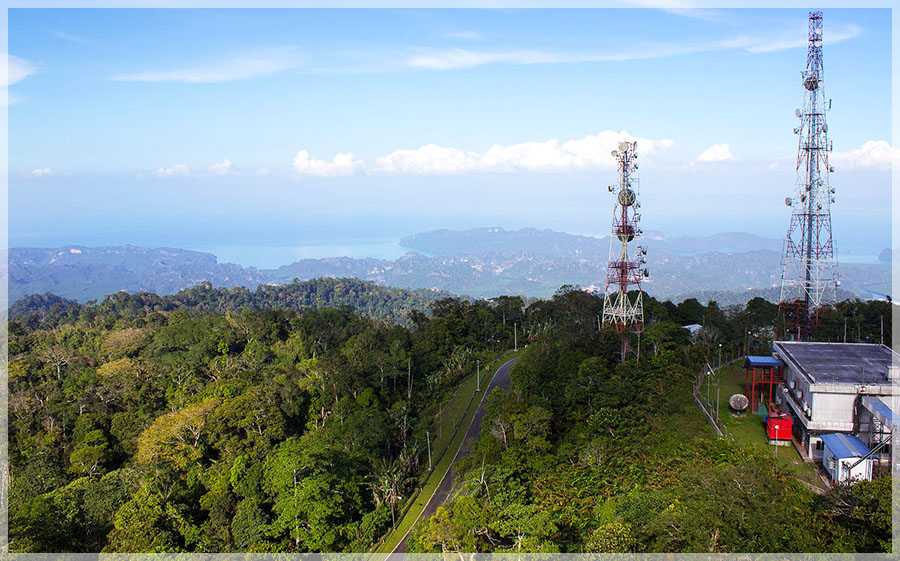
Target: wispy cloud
(41,172)
(877,154)
(17,69)
(770,43)
(590,152)
(178,170)
(697,13)
(235,68)
(464,58)
(716,153)
(467,35)
(67,36)
(457,58)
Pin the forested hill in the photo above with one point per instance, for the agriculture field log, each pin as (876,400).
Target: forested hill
(265,431)
(366,298)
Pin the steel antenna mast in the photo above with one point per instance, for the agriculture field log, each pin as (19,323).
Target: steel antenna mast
(808,278)
(626,257)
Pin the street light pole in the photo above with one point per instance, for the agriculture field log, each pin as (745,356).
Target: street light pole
(707,387)
(515,337)
(478,388)
(718,376)
(428,436)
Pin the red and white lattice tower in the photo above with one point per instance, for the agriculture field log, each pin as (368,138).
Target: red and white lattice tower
(626,258)
(808,280)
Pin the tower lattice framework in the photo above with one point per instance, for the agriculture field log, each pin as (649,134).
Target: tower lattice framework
(808,279)
(626,258)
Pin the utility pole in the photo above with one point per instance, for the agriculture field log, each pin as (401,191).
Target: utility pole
(845,330)
(428,437)
(478,388)
(720,356)
(409,379)
(515,337)
(882,329)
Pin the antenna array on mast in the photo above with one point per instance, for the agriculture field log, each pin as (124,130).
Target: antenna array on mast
(808,279)
(626,258)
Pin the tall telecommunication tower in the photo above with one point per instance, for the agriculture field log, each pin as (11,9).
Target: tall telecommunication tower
(808,280)
(626,257)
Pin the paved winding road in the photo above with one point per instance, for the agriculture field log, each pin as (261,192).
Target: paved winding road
(500,380)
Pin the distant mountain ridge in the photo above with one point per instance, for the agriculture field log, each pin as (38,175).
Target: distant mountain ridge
(494,241)
(482,262)
(84,273)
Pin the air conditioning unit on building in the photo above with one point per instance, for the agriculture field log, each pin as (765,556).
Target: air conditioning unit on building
(832,463)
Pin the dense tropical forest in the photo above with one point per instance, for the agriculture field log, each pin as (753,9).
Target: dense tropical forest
(294,419)
(589,454)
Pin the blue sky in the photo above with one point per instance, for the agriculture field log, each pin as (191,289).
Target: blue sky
(226,129)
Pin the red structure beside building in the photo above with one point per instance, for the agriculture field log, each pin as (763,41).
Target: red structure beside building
(764,373)
(779,426)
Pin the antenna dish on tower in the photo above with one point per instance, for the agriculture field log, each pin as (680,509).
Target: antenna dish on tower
(623,146)
(808,269)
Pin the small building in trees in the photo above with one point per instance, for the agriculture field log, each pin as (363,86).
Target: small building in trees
(832,387)
(846,458)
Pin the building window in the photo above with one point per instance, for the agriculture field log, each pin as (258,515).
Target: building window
(820,445)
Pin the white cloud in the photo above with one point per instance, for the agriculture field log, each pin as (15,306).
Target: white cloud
(716,153)
(590,152)
(17,69)
(41,172)
(262,171)
(221,169)
(467,35)
(342,164)
(174,171)
(428,159)
(873,154)
(237,68)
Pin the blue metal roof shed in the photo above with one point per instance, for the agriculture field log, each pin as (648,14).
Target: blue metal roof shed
(882,408)
(845,445)
(763,361)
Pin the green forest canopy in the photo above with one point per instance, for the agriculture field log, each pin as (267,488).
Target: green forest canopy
(225,420)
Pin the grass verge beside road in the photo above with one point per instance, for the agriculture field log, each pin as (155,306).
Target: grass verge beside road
(463,403)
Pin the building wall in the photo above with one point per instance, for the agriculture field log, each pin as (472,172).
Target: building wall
(841,470)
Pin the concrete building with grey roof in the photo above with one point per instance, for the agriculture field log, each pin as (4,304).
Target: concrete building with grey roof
(839,388)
